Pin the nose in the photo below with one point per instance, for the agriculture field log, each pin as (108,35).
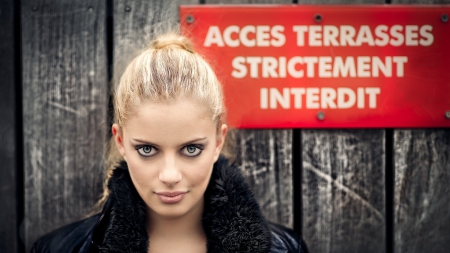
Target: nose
(169,173)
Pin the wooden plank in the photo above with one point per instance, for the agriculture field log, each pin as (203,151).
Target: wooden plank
(344,190)
(65,104)
(420,1)
(422,190)
(248,1)
(265,156)
(8,149)
(343,184)
(137,23)
(337,2)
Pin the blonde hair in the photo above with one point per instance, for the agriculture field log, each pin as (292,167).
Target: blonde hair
(168,70)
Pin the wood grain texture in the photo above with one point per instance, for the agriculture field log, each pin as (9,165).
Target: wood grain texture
(64,103)
(137,23)
(343,190)
(265,156)
(8,111)
(343,184)
(422,190)
(341,2)
(420,1)
(248,1)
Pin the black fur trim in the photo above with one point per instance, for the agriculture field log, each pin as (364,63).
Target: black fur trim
(125,230)
(232,219)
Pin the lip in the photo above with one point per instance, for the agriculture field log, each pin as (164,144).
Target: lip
(171,197)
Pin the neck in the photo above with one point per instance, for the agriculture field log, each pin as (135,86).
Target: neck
(188,225)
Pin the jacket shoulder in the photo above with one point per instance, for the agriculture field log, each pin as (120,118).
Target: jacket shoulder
(286,240)
(69,238)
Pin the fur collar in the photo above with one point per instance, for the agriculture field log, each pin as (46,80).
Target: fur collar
(232,220)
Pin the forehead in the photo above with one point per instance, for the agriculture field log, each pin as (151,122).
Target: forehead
(175,121)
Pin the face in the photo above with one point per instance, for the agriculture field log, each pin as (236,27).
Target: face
(170,149)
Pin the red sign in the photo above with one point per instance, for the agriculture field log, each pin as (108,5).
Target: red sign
(304,66)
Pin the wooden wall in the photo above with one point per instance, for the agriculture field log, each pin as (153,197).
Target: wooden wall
(65,91)
(10,213)
(366,190)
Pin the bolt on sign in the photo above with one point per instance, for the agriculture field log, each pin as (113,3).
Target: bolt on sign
(327,66)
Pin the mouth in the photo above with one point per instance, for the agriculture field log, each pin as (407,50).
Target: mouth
(171,197)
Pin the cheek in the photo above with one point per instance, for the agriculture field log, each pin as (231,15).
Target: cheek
(200,173)
(142,175)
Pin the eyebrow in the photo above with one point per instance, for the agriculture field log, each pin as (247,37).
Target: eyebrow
(185,143)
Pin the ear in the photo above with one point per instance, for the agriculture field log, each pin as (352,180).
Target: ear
(118,139)
(220,140)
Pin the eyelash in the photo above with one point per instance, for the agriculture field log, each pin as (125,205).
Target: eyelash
(141,152)
(199,149)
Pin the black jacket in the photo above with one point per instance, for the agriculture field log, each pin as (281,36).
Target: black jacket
(232,221)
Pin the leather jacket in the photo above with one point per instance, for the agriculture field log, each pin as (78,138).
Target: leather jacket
(232,221)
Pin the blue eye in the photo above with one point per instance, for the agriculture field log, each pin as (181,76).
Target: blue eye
(192,150)
(146,150)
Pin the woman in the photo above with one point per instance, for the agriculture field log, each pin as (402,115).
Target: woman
(168,189)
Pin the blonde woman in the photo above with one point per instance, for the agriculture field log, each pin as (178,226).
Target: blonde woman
(168,188)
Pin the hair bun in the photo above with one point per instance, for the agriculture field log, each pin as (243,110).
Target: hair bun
(173,40)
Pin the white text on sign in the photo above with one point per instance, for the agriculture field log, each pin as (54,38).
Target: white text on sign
(317,35)
(319,98)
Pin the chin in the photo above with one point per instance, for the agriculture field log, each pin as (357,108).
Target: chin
(175,210)
(171,211)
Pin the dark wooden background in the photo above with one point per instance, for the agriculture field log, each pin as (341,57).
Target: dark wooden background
(366,190)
